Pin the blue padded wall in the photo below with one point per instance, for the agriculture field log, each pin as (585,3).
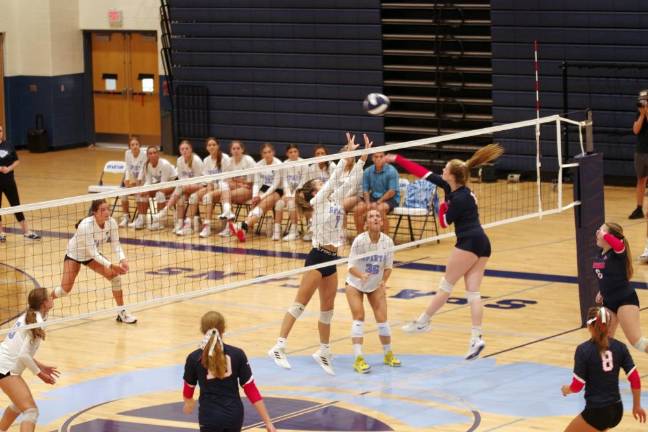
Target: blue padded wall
(285,71)
(571,30)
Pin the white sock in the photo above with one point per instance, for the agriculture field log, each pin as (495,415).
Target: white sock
(187,222)
(647,244)
(386,348)
(423,318)
(227,207)
(293,229)
(281,342)
(277,228)
(325,349)
(357,351)
(476,332)
(207,222)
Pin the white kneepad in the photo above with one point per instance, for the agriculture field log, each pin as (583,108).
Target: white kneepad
(296,309)
(30,415)
(641,344)
(60,292)
(291,205)
(116,284)
(445,286)
(326,317)
(473,296)
(384,329)
(193,199)
(256,212)
(357,328)
(160,198)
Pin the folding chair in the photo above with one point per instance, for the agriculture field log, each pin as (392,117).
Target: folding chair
(111,168)
(416,212)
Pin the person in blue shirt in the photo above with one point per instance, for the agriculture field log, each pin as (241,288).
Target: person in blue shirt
(380,191)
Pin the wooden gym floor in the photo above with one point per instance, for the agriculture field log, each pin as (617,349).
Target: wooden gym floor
(128,378)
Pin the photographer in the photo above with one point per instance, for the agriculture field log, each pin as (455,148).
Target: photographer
(640,129)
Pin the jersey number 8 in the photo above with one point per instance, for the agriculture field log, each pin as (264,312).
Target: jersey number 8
(607,361)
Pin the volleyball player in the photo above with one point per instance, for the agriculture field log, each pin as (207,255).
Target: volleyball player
(472,249)
(188,165)
(215,163)
(368,276)
(596,367)
(156,170)
(292,179)
(219,369)
(266,190)
(8,163)
(613,268)
(322,171)
(237,190)
(135,160)
(17,353)
(352,183)
(83,249)
(325,199)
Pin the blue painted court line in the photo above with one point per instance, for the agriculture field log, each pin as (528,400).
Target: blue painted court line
(505,274)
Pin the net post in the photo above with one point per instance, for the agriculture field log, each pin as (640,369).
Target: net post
(588,216)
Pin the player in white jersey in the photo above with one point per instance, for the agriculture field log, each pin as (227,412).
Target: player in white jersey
(322,171)
(215,163)
(83,248)
(188,165)
(292,179)
(135,159)
(368,276)
(156,170)
(326,202)
(237,190)
(266,190)
(16,354)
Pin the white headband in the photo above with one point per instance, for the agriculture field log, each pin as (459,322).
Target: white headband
(603,313)
(217,340)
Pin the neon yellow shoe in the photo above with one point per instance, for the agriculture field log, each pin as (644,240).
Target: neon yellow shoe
(361,366)
(391,360)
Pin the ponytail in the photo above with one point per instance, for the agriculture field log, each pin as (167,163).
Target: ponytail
(213,357)
(35,300)
(617,231)
(461,170)
(598,319)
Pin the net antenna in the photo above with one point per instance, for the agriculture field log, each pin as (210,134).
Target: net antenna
(536,65)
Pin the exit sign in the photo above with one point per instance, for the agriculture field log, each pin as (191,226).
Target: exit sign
(115,18)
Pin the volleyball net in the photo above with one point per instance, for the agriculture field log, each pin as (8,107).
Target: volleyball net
(165,267)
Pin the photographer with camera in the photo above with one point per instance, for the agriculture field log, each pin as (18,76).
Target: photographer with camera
(640,129)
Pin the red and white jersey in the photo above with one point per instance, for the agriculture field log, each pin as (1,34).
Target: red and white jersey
(186,171)
(162,172)
(18,348)
(374,265)
(315,172)
(246,162)
(270,178)
(134,165)
(210,166)
(293,178)
(88,238)
(328,209)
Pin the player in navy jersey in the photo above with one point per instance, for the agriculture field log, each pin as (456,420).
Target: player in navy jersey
(596,367)
(613,268)
(219,369)
(472,250)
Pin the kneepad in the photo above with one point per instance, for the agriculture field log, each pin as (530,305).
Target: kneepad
(177,192)
(357,328)
(116,284)
(193,199)
(641,344)
(473,296)
(384,329)
(296,309)
(280,205)
(256,212)
(30,415)
(160,198)
(326,317)
(445,286)
(291,205)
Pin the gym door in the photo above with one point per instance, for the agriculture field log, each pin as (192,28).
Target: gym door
(125,86)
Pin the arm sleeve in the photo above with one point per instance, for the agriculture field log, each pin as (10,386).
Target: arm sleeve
(91,248)
(617,244)
(114,241)
(25,356)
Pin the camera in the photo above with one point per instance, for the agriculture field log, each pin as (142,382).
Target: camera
(642,99)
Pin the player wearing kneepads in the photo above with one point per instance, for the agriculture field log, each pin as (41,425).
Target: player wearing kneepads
(368,276)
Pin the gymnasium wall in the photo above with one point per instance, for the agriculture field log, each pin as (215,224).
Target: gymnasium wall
(44,62)
(592,31)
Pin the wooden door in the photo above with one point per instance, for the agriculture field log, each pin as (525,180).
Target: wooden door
(2,99)
(126,86)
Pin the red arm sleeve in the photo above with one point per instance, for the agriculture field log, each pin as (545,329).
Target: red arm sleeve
(188,390)
(635,379)
(577,384)
(252,392)
(443,209)
(411,167)
(616,244)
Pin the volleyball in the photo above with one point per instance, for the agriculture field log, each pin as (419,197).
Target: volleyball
(376,104)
